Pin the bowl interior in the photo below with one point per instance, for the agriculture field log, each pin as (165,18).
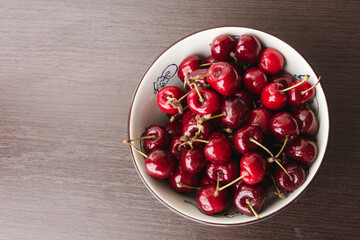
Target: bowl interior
(163,72)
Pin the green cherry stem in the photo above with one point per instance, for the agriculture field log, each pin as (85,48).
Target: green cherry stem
(283,146)
(262,146)
(179,185)
(202,76)
(252,209)
(303,92)
(139,138)
(298,84)
(184,96)
(199,140)
(206,64)
(136,149)
(231,183)
(197,90)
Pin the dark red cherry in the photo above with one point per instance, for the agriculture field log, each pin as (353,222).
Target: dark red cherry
(208,202)
(248,49)
(177,146)
(174,128)
(161,138)
(191,129)
(236,112)
(222,46)
(302,150)
(272,98)
(188,65)
(298,96)
(261,117)
(250,194)
(243,95)
(283,78)
(255,80)
(181,177)
(243,136)
(167,99)
(210,59)
(219,148)
(307,121)
(208,103)
(193,160)
(296,172)
(205,180)
(252,167)
(284,124)
(160,164)
(271,61)
(200,78)
(229,171)
(187,115)
(225,79)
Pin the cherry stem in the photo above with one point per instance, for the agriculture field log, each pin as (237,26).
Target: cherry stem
(291,179)
(205,75)
(252,209)
(254,104)
(262,146)
(298,84)
(282,148)
(199,140)
(233,55)
(136,149)
(184,96)
(279,193)
(215,116)
(305,91)
(206,64)
(216,193)
(139,138)
(197,90)
(231,183)
(179,185)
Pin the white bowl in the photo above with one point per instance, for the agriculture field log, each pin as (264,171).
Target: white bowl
(145,112)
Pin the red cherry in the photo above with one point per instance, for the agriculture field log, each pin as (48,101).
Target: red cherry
(261,117)
(302,150)
(210,203)
(283,78)
(255,195)
(188,65)
(161,139)
(243,95)
(174,128)
(255,80)
(242,138)
(296,172)
(210,59)
(167,99)
(200,78)
(222,46)
(253,167)
(219,148)
(236,112)
(193,161)
(177,146)
(248,49)
(271,61)
(228,171)
(191,129)
(298,96)
(284,124)
(187,115)
(203,101)
(225,79)
(160,164)
(181,177)
(307,121)
(205,180)
(272,98)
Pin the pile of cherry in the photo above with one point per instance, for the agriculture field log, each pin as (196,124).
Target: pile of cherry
(238,129)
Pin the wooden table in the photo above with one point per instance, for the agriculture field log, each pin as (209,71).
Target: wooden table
(68,70)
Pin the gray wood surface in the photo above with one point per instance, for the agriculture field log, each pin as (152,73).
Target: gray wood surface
(68,70)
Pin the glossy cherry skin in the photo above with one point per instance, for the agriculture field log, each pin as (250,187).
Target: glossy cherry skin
(226,80)
(307,121)
(174,128)
(255,80)
(271,61)
(229,171)
(190,129)
(236,112)
(208,202)
(248,49)
(193,160)
(252,167)
(188,65)
(283,78)
(283,124)
(296,172)
(272,98)
(222,46)
(177,147)
(302,150)
(210,59)
(261,117)
(205,180)
(161,140)
(245,96)
(183,177)
(201,81)
(187,115)
(209,105)
(296,97)
(242,138)
(219,148)
(160,164)
(255,194)
(163,98)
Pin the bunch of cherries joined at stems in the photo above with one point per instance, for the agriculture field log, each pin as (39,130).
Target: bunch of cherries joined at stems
(238,129)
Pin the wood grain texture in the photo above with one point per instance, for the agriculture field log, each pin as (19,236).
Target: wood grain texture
(68,70)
